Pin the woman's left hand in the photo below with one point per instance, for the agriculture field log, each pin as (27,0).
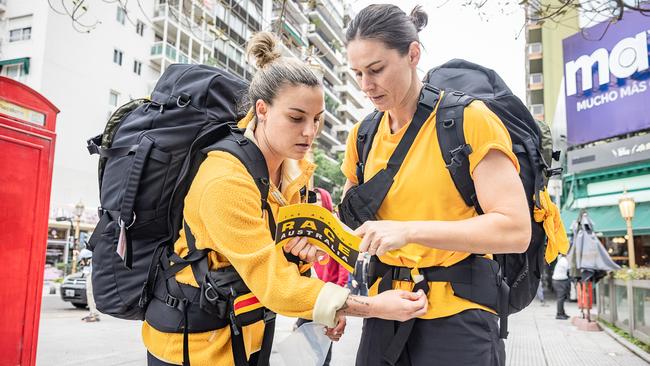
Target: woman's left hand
(380,237)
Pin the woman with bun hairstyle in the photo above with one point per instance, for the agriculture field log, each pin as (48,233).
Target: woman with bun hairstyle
(424,230)
(222,211)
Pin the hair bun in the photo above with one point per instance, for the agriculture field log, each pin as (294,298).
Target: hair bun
(419,18)
(262,46)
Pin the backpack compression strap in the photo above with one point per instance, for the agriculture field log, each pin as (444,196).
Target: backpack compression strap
(365,136)
(454,148)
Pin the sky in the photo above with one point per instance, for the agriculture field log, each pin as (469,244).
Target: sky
(495,40)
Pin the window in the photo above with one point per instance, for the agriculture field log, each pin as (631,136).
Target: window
(536,78)
(121,15)
(137,67)
(15,71)
(20,34)
(117,56)
(139,28)
(113,96)
(537,109)
(535,47)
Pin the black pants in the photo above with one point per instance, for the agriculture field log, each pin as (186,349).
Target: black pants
(562,289)
(153,361)
(469,338)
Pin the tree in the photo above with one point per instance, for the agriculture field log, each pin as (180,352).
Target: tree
(541,11)
(328,174)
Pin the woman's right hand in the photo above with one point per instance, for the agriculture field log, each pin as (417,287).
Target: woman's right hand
(300,247)
(399,305)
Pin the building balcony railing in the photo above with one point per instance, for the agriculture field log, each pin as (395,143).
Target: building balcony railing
(351,113)
(328,71)
(318,38)
(326,11)
(160,49)
(296,10)
(322,23)
(354,95)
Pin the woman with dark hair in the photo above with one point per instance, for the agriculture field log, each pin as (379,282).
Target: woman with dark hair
(423,223)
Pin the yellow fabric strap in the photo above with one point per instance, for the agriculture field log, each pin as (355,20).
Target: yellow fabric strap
(549,216)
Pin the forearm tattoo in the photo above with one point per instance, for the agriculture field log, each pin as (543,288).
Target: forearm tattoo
(356,306)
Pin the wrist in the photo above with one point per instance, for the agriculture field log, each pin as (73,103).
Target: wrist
(410,232)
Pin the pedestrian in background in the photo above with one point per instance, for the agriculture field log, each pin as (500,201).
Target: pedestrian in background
(561,285)
(358,282)
(87,260)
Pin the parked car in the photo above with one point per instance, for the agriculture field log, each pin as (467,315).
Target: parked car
(73,289)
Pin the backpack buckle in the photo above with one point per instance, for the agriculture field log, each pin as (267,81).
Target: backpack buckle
(210,293)
(402,274)
(268,316)
(554,171)
(171,301)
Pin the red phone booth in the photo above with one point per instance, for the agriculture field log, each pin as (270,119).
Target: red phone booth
(27,122)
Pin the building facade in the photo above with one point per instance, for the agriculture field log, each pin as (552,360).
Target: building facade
(607,73)
(111,52)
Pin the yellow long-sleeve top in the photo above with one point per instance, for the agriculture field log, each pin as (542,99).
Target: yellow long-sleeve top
(223,210)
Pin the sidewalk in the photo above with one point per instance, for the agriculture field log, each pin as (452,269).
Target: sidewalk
(536,338)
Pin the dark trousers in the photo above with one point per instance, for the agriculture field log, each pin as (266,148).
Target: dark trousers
(469,338)
(562,289)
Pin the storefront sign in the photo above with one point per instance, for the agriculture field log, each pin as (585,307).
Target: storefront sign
(609,154)
(608,79)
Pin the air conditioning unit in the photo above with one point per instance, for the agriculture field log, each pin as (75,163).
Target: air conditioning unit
(311,28)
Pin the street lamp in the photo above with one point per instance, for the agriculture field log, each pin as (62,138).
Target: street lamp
(66,250)
(78,211)
(626,205)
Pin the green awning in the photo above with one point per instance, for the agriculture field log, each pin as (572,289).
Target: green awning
(295,35)
(13,61)
(608,220)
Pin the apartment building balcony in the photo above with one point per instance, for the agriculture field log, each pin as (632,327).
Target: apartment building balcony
(332,33)
(537,110)
(534,51)
(328,138)
(351,113)
(293,32)
(536,81)
(161,50)
(326,12)
(3,6)
(353,94)
(318,38)
(295,9)
(200,32)
(289,50)
(328,71)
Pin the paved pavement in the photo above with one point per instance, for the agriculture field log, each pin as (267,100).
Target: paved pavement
(536,338)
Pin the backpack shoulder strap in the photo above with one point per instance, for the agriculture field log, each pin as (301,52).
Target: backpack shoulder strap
(365,136)
(454,148)
(250,155)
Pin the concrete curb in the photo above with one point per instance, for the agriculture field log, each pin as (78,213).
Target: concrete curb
(627,344)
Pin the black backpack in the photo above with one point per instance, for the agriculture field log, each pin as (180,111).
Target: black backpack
(464,82)
(147,153)
(531,143)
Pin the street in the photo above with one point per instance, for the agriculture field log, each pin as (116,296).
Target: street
(536,338)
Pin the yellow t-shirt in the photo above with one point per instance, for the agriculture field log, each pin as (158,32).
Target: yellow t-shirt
(423,190)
